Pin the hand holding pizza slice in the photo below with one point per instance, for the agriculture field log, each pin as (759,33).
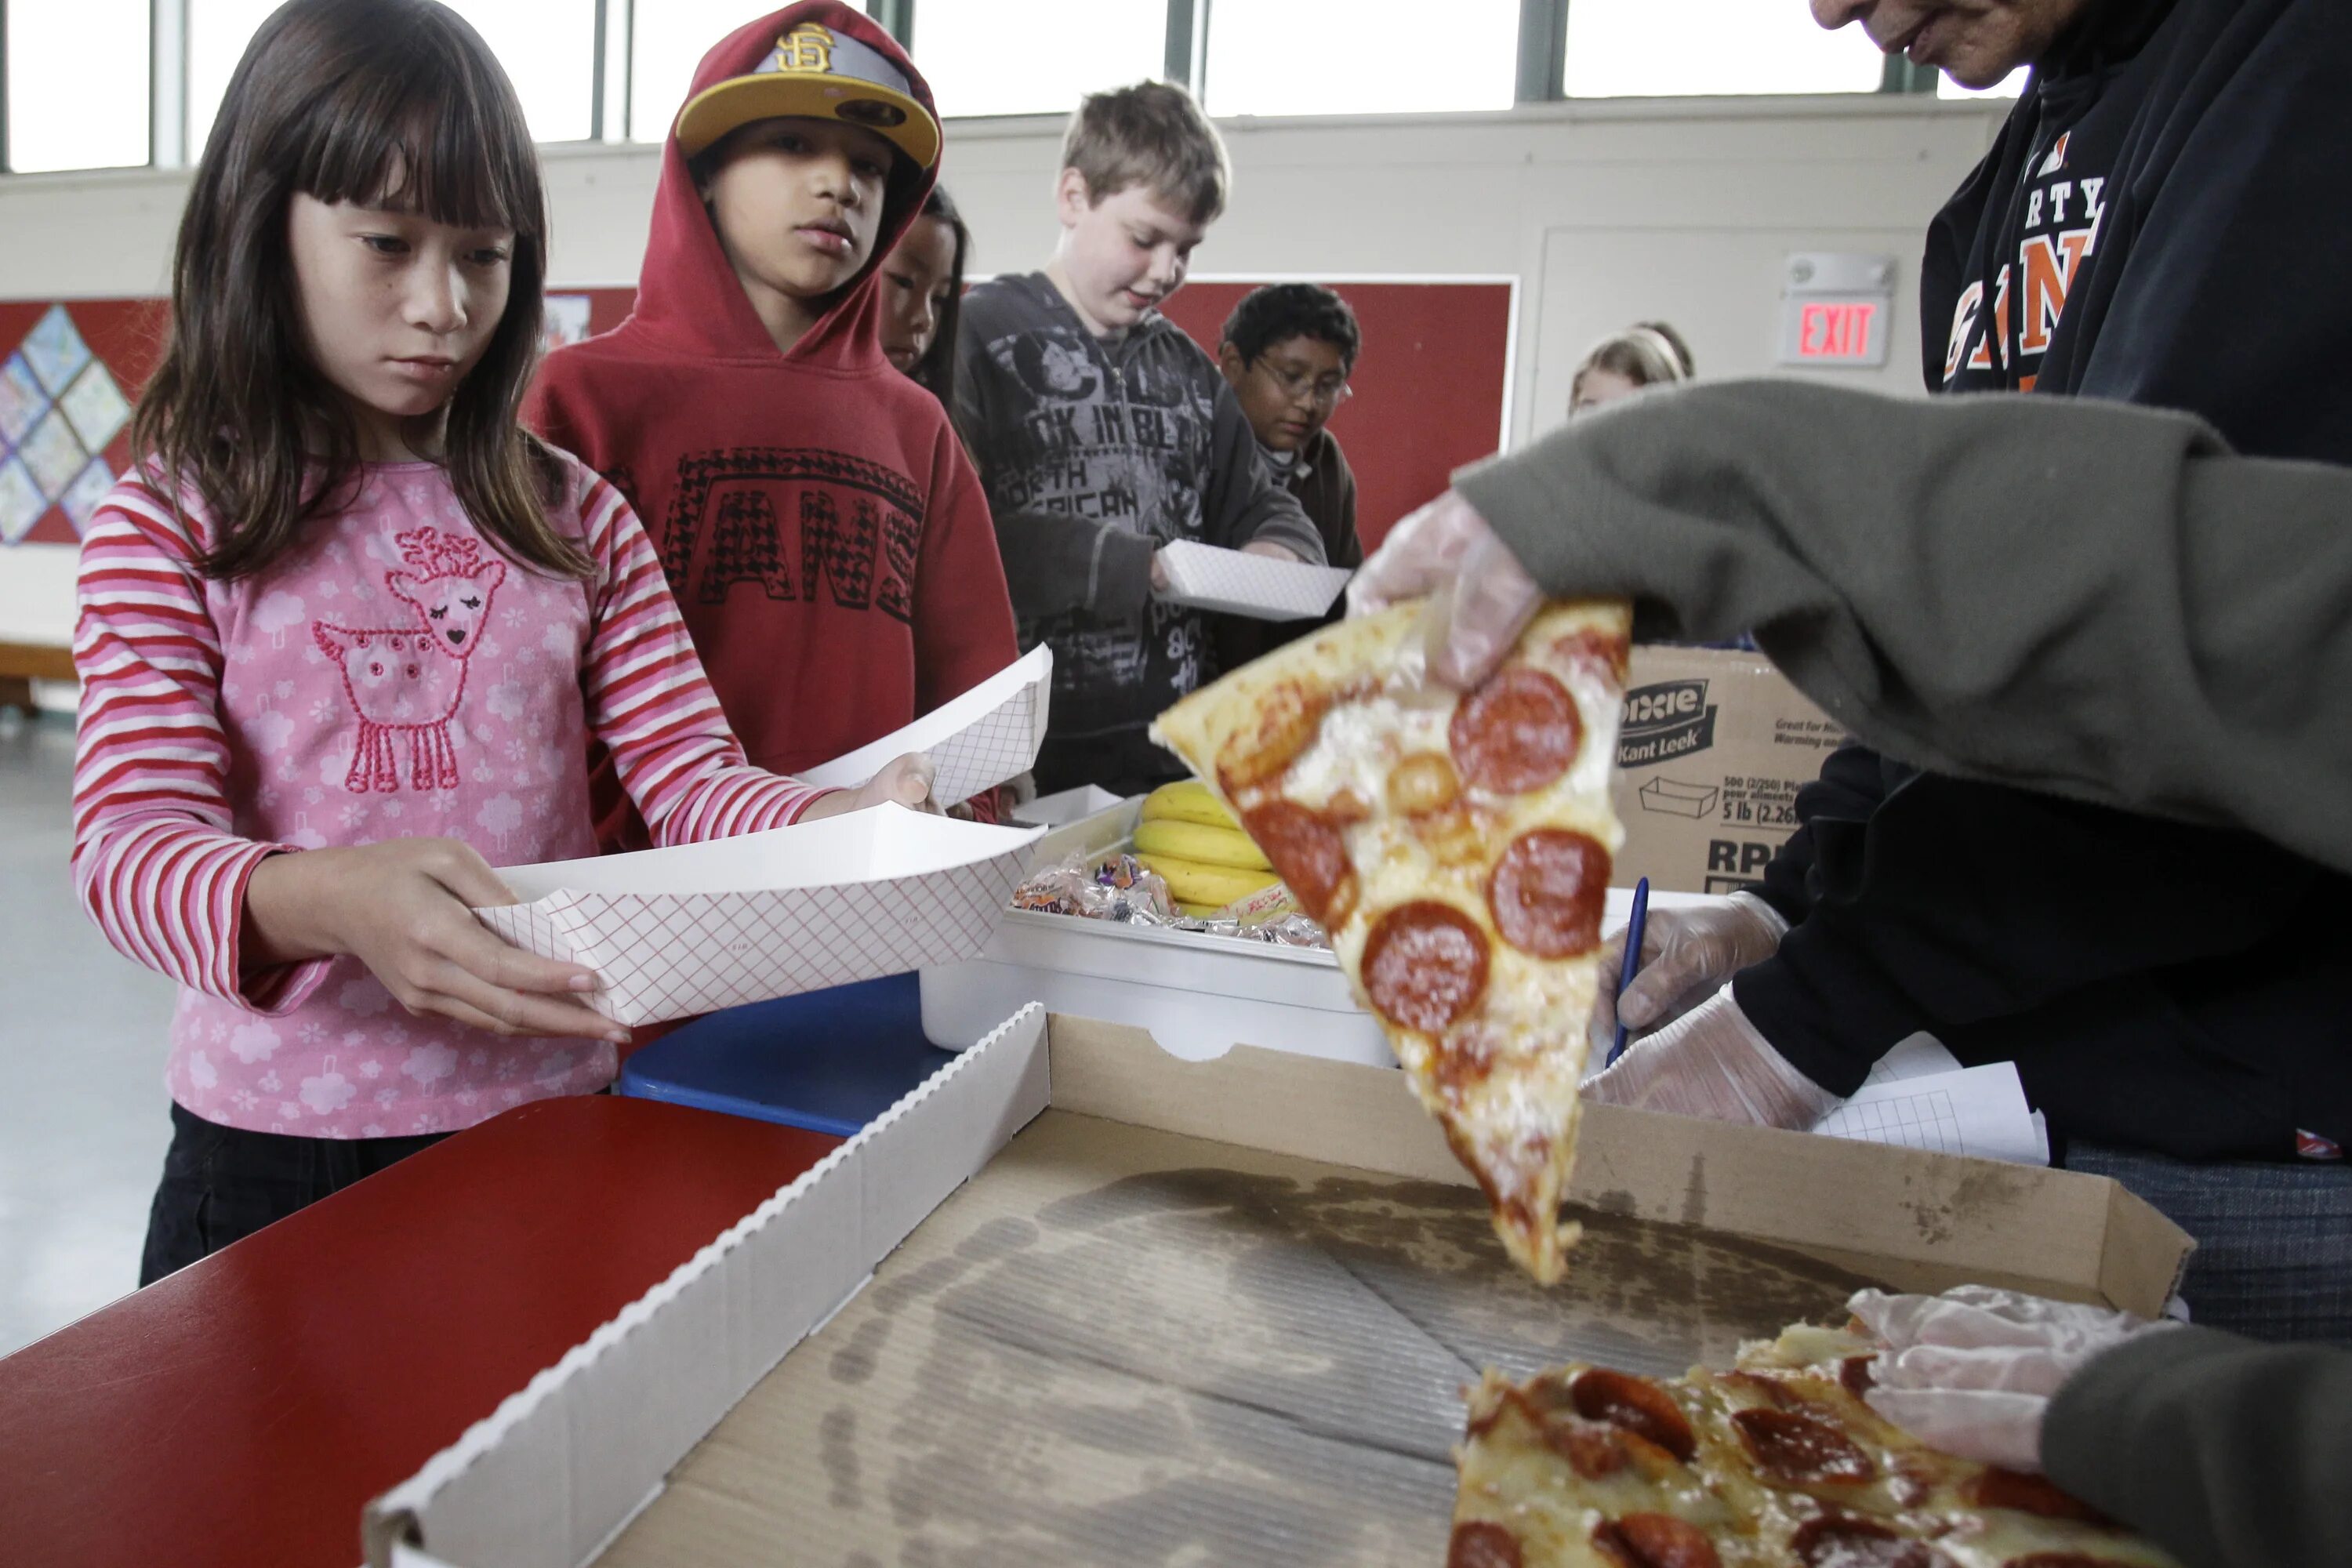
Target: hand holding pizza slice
(1457,847)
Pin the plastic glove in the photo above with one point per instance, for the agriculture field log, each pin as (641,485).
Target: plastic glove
(1687,953)
(1711,1062)
(1480,597)
(1972,1371)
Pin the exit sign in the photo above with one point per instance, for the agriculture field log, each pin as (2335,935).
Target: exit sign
(1836,310)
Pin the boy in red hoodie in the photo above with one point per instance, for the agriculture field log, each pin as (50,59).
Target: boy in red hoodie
(824,535)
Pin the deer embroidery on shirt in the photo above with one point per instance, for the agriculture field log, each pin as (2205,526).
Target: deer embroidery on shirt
(404,682)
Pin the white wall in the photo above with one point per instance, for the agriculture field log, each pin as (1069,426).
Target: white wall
(1607,212)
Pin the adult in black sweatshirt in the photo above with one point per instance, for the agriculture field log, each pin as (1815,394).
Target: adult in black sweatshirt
(2160,221)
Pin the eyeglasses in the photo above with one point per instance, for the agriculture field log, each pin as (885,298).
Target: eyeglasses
(1330,391)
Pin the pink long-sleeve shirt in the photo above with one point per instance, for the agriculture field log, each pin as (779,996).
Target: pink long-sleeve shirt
(392,677)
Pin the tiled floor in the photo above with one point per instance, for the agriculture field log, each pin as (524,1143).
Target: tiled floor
(83,1116)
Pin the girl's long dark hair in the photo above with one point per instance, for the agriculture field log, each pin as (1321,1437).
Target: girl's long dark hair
(385,103)
(936,371)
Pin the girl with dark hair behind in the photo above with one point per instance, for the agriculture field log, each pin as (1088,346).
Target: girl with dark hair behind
(347,632)
(922,296)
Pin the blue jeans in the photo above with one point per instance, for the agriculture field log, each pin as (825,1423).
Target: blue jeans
(2274,1255)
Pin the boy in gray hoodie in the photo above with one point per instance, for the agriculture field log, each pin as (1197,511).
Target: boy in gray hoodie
(1103,433)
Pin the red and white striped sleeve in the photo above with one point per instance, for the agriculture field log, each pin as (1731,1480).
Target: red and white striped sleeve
(155,860)
(650,703)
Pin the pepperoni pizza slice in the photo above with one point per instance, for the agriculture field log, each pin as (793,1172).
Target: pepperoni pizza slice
(1776,1464)
(1457,848)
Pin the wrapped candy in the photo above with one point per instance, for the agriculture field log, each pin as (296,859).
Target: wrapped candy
(1122,889)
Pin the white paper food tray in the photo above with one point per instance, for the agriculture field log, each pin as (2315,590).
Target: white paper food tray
(1199,995)
(1208,578)
(681,932)
(977,740)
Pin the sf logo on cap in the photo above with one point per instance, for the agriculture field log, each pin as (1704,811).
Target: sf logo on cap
(807,47)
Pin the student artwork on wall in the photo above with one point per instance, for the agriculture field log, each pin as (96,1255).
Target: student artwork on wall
(1430,389)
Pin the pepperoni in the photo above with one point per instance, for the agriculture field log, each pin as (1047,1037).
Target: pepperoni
(1603,653)
(1655,1540)
(1517,732)
(1306,848)
(1482,1544)
(1841,1541)
(1548,891)
(1287,719)
(1858,1373)
(1424,965)
(1997,1487)
(1464,1059)
(1636,1404)
(1801,1450)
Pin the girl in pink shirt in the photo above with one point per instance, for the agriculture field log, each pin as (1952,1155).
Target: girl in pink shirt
(349,637)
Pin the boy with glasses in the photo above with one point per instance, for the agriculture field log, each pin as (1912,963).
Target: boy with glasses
(1288,351)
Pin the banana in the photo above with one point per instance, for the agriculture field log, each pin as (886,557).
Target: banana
(1209,846)
(1214,886)
(1198,912)
(1187,801)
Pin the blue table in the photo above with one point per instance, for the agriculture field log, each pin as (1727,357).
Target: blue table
(830,1061)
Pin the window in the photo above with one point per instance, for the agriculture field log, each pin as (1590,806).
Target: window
(548,47)
(74,102)
(1650,49)
(1040,57)
(2009,86)
(668,41)
(1358,57)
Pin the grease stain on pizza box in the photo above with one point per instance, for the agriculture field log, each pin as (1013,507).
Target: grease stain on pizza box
(1712,749)
(1075,1301)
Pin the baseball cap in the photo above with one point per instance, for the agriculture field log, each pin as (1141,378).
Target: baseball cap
(819,74)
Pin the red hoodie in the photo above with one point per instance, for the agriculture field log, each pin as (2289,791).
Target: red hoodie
(824,535)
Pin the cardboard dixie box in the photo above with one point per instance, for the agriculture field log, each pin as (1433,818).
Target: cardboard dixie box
(1714,746)
(1075,1301)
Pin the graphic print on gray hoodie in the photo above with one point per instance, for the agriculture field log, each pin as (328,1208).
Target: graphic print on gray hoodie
(1095,452)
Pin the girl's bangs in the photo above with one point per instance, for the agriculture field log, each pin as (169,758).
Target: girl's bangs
(429,129)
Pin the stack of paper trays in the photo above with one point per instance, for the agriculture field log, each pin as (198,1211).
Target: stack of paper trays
(675,932)
(1208,578)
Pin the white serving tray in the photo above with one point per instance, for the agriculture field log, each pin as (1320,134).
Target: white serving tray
(1208,578)
(680,932)
(1199,995)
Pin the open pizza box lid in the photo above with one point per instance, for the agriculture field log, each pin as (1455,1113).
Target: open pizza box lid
(685,931)
(1074,1300)
(1206,577)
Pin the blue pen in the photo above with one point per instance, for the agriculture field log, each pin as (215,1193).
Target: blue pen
(1632,965)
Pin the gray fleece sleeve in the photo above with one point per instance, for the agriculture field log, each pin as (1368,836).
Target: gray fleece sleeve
(2225,1452)
(2092,600)
(1242,504)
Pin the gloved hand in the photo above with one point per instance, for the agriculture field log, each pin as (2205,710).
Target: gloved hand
(1711,1062)
(1687,953)
(1972,1371)
(1480,597)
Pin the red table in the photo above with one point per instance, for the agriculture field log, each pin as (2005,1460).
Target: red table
(244,1410)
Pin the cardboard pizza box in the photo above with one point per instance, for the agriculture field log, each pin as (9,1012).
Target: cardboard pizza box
(1075,1301)
(680,932)
(1198,995)
(1713,745)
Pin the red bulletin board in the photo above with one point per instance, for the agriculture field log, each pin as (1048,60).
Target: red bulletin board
(1429,388)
